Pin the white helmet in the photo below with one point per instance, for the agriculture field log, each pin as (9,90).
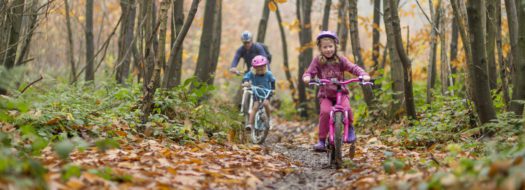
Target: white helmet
(246,36)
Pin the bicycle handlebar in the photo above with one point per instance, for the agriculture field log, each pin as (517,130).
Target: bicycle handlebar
(260,92)
(321,82)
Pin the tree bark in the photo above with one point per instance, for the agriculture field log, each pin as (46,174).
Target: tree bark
(454,45)
(502,63)
(326,15)
(33,23)
(491,42)
(149,36)
(163,20)
(342,29)
(206,61)
(356,48)
(125,40)
(176,47)
(304,10)
(519,63)
(286,66)
(446,78)
(396,68)
(14,23)
(478,67)
(172,77)
(263,23)
(376,34)
(153,84)
(431,68)
(407,67)
(71,47)
(90,46)
(460,17)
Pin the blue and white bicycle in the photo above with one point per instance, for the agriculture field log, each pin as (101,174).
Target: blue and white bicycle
(261,121)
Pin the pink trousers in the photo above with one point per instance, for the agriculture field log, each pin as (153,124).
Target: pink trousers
(324,115)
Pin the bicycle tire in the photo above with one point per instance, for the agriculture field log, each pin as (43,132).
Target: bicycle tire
(352,150)
(261,127)
(337,150)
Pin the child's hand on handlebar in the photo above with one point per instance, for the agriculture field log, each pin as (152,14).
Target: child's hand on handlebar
(246,84)
(365,78)
(307,79)
(234,71)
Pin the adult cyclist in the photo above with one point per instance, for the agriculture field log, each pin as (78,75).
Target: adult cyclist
(247,51)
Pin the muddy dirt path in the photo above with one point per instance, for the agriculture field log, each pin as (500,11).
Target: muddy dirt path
(312,171)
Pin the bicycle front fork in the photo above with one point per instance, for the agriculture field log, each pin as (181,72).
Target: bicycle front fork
(346,124)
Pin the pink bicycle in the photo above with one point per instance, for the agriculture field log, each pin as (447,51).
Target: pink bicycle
(338,120)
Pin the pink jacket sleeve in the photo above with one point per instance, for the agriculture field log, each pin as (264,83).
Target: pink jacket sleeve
(313,69)
(352,68)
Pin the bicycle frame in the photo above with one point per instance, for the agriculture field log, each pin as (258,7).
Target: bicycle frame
(338,107)
(248,92)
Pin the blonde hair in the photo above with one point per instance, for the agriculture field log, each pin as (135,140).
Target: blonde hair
(324,60)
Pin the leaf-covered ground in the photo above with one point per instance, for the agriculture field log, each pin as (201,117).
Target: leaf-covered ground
(284,161)
(153,164)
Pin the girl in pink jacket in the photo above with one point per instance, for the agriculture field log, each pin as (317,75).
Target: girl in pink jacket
(329,65)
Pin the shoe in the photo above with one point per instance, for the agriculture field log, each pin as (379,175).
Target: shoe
(351,134)
(248,127)
(320,146)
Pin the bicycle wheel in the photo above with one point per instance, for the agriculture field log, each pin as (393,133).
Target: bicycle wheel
(338,126)
(261,127)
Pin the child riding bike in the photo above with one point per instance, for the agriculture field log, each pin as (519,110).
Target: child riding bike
(328,65)
(263,78)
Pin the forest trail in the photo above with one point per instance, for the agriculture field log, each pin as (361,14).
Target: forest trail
(294,141)
(284,161)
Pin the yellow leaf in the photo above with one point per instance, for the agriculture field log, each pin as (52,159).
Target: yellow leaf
(272,6)
(280,1)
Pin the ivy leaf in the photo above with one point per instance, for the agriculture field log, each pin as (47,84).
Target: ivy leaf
(64,148)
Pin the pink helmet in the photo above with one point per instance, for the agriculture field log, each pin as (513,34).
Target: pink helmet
(328,34)
(259,60)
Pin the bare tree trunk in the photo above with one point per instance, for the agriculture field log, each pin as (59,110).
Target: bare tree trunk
(163,21)
(326,15)
(153,84)
(71,47)
(407,65)
(491,40)
(176,47)
(149,35)
(446,78)
(519,63)
(515,52)
(172,77)
(29,30)
(304,10)
(356,48)
(460,17)
(431,68)
(376,34)
(14,23)
(216,42)
(263,23)
(90,46)
(454,45)
(125,41)
(396,68)
(501,60)
(205,61)
(287,73)
(478,67)
(4,31)
(342,29)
